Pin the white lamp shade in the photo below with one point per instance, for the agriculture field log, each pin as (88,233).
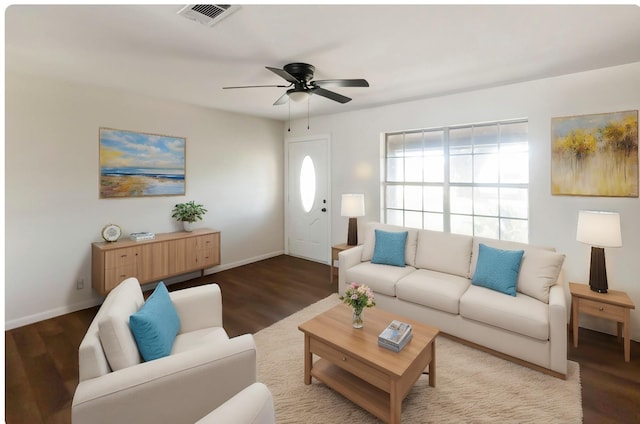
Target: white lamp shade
(600,229)
(298,96)
(352,205)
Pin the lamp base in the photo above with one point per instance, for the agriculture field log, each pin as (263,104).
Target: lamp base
(352,235)
(598,273)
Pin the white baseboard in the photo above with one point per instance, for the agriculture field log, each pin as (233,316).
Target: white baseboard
(96,300)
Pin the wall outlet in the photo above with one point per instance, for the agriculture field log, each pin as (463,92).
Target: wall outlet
(80,284)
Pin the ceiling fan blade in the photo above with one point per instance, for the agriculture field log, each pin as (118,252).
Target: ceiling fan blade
(283,74)
(282,99)
(256,86)
(330,95)
(343,83)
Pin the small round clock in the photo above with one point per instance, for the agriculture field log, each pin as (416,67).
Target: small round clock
(111,232)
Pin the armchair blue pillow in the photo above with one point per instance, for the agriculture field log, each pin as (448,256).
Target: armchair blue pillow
(497,269)
(156,325)
(389,248)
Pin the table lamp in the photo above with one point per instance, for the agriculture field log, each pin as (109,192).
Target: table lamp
(352,207)
(599,229)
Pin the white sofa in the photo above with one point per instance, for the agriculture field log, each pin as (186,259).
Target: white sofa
(435,287)
(205,368)
(253,405)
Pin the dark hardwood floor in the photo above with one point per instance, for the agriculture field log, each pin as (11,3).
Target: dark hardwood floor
(41,362)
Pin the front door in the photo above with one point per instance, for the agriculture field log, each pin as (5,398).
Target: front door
(307,201)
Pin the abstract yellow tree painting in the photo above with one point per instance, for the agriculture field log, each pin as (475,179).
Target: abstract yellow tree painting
(595,155)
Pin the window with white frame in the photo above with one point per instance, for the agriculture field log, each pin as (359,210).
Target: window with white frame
(464,179)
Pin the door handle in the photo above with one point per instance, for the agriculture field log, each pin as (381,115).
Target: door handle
(323,209)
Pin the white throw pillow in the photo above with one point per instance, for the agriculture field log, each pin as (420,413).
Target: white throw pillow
(113,327)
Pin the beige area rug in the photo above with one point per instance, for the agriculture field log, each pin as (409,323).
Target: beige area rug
(471,387)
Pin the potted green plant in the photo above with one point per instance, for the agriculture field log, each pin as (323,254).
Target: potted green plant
(188,213)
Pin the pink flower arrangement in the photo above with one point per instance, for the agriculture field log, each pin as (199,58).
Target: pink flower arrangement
(359,296)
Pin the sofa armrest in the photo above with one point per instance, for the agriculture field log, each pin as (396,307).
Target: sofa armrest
(202,379)
(558,329)
(347,259)
(198,307)
(253,405)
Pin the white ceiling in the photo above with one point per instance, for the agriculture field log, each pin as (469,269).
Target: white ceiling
(405,52)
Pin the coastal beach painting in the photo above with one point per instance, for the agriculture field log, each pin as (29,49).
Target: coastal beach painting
(134,164)
(595,155)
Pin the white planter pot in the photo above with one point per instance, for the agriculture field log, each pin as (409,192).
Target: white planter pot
(188,226)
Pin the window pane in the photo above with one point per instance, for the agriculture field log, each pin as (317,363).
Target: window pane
(413,144)
(413,169)
(461,200)
(434,156)
(413,219)
(514,167)
(395,145)
(413,198)
(514,203)
(486,227)
(485,201)
(433,221)
(307,183)
(460,169)
(515,133)
(514,230)
(485,139)
(461,224)
(433,199)
(486,168)
(395,169)
(394,197)
(394,217)
(460,140)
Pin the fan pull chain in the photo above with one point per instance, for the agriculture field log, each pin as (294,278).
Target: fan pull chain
(308,100)
(289,102)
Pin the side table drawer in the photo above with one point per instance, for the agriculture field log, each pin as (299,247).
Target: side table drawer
(351,364)
(602,310)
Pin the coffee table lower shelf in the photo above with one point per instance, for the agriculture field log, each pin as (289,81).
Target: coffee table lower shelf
(358,391)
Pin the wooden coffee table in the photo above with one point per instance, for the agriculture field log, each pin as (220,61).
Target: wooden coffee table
(352,363)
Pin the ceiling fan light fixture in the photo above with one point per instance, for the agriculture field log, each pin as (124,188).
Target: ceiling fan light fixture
(298,96)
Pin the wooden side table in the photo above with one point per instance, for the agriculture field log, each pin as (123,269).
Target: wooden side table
(614,305)
(334,257)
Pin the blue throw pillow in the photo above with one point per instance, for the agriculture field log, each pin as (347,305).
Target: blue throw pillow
(389,248)
(497,269)
(156,325)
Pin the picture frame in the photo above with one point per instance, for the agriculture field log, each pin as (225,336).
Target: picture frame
(139,164)
(595,155)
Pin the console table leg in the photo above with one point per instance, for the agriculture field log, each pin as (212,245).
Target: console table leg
(307,359)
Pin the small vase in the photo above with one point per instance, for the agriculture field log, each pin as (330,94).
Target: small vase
(358,318)
(188,226)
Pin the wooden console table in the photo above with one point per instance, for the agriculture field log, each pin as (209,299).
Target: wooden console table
(335,250)
(167,255)
(614,305)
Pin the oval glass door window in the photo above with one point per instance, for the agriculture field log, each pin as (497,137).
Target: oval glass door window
(307,183)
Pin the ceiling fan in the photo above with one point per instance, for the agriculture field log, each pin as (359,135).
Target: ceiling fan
(301,84)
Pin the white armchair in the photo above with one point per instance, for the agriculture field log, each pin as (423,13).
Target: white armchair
(204,370)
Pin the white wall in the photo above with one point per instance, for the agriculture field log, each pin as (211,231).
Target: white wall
(234,166)
(356,161)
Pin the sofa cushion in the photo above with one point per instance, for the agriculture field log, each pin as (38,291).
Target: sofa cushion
(194,339)
(389,248)
(156,325)
(498,269)
(521,314)
(434,289)
(370,240)
(444,252)
(113,326)
(539,270)
(381,278)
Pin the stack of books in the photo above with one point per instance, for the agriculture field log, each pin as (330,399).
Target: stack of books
(395,336)
(142,236)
